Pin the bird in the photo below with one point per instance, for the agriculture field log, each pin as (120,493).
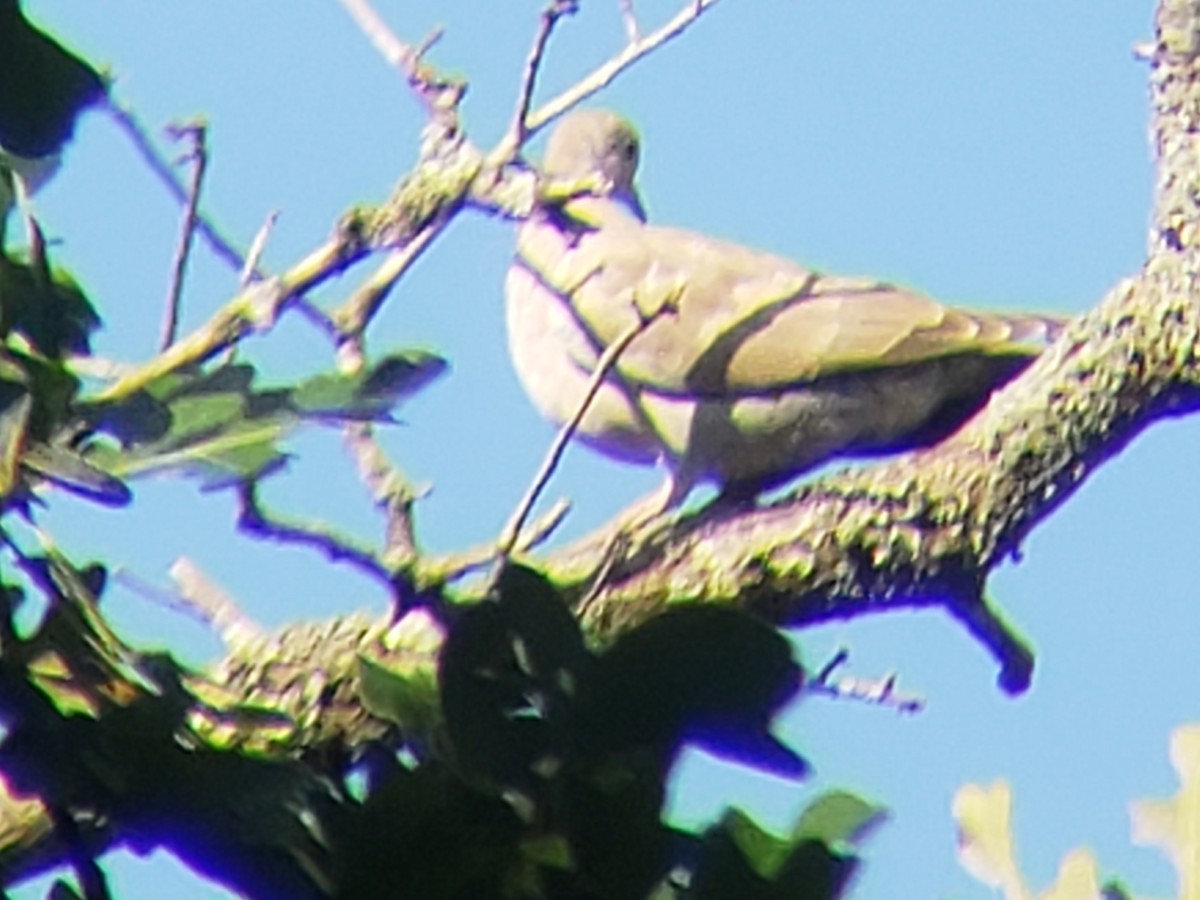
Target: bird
(738,368)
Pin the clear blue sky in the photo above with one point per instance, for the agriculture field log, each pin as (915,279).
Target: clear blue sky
(992,153)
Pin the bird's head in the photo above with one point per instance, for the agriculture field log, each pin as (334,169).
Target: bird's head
(596,143)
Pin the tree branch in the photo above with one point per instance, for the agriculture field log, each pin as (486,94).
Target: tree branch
(926,528)
(196,134)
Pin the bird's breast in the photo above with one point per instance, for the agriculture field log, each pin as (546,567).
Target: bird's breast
(554,358)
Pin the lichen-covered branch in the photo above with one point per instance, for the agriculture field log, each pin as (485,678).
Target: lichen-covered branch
(927,528)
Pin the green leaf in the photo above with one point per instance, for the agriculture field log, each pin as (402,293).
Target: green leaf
(216,427)
(739,858)
(15,406)
(409,699)
(370,394)
(237,452)
(838,818)
(765,852)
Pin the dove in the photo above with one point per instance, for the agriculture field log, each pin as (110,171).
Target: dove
(744,369)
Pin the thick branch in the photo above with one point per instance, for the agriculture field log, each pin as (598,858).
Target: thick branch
(927,528)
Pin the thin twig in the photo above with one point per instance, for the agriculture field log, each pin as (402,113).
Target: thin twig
(512,531)
(454,566)
(196,134)
(254,519)
(440,95)
(254,308)
(397,53)
(197,596)
(257,246)
(221,246)
(546,22)
(353,316)
(877,692)
(604,74)
(162,168)
(390,491)
(91,877)
(629,17)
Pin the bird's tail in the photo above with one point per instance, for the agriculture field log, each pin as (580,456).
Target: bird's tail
(1034,330)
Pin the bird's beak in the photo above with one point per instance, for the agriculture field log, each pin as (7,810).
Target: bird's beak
(632,201)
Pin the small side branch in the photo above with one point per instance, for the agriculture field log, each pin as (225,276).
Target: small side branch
(92,881)
(254,519)
(439,95)
(873,691)
(355,314)
(161,167)
(604,74)
(222,247)
(255,308)
(391,492)
(517,131)
(197,153)
(612,353)
(629,18)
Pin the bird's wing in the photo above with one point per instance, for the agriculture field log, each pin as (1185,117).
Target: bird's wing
(745,322)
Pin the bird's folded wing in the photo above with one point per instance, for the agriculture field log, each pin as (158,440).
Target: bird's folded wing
(744,322)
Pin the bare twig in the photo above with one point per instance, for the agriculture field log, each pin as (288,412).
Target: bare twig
(397,53)
(199,597)
(353,316)
(224,248)
(440,95)
(454,566)
(254,519)
(604,74)
(197,154)
(512,531)
(253,271)
(254,308)
(257,246)
(390,491)
(629,18)
(879,692)
(556,9)
(163,169)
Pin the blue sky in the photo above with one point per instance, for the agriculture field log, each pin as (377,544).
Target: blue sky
(992,153)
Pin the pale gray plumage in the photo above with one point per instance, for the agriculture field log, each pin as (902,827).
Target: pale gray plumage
(764,370)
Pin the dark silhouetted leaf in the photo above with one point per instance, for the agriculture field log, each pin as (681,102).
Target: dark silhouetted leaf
(426,834)
(705,673)
(507,670)
(47,307)
(68,469)
(43,87)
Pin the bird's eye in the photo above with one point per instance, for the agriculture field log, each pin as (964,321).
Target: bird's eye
(629,150)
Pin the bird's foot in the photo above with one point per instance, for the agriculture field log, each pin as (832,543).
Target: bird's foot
(617,545)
